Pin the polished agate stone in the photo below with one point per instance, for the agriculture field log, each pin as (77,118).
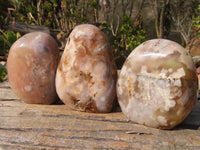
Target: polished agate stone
(31,65)
(86,74)
(158,84)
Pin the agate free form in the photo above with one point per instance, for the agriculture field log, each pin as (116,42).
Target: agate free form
(86,74)
(31,65)
(158,84)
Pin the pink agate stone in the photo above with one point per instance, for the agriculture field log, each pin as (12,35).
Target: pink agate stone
(86,75)
(31,65)
(158,84)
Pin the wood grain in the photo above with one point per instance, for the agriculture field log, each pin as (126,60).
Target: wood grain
(25,28)
(26,126)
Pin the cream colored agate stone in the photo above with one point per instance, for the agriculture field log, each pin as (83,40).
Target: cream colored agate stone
(158,84)
(86,74)
(31,65)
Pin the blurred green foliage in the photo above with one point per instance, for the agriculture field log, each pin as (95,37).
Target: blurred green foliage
(3,73)
(56,14)
(94,3)
(7,38)
(196,20)
(129,37)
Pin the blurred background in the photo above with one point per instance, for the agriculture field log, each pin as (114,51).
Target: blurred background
(127,23)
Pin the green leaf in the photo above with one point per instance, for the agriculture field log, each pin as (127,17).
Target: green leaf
(94,3)
(11,37)
(53,1)
(3,73)
(18,35)
(2,47)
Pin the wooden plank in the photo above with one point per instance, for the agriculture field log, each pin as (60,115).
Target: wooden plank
(25,28)
(6,92)
(26,126)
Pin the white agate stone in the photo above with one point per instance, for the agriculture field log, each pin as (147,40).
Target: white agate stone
(158,84)
(86,75)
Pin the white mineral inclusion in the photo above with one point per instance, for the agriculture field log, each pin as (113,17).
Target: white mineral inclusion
(158,84)
(178,74)
(162,120)
(28,88)
(86,75)
(169,104)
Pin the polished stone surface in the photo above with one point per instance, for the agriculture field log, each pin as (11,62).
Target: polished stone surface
(86,75)
(31,65)
(158,84)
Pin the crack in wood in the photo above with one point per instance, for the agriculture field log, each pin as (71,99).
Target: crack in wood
(58,130)
(138,133)
(86,118)
(5,87)
(19,146)
(3,100)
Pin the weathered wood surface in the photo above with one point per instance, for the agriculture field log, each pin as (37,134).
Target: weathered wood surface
(25,126)
(25,28)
